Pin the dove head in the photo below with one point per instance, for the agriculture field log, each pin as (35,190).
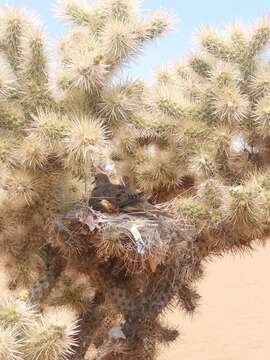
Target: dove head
(102,178)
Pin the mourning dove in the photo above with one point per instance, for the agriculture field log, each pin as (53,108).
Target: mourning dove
(109,197)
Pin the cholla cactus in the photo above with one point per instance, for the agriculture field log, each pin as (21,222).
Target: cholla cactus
(27,334)
(200,142)
(196,142)
(207,119)
(57,120)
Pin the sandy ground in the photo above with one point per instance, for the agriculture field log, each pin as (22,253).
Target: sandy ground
(233,321)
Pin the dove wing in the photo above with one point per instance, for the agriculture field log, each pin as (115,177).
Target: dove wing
(126,196)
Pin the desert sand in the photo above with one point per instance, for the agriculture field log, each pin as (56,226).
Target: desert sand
(233,321)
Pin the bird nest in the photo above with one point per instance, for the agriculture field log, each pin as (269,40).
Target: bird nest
(141,241)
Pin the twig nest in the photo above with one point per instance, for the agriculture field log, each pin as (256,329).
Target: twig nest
(139,242)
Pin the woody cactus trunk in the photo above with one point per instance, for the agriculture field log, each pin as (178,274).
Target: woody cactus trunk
(76,280)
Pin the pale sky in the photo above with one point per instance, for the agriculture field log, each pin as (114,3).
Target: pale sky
(190,15)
